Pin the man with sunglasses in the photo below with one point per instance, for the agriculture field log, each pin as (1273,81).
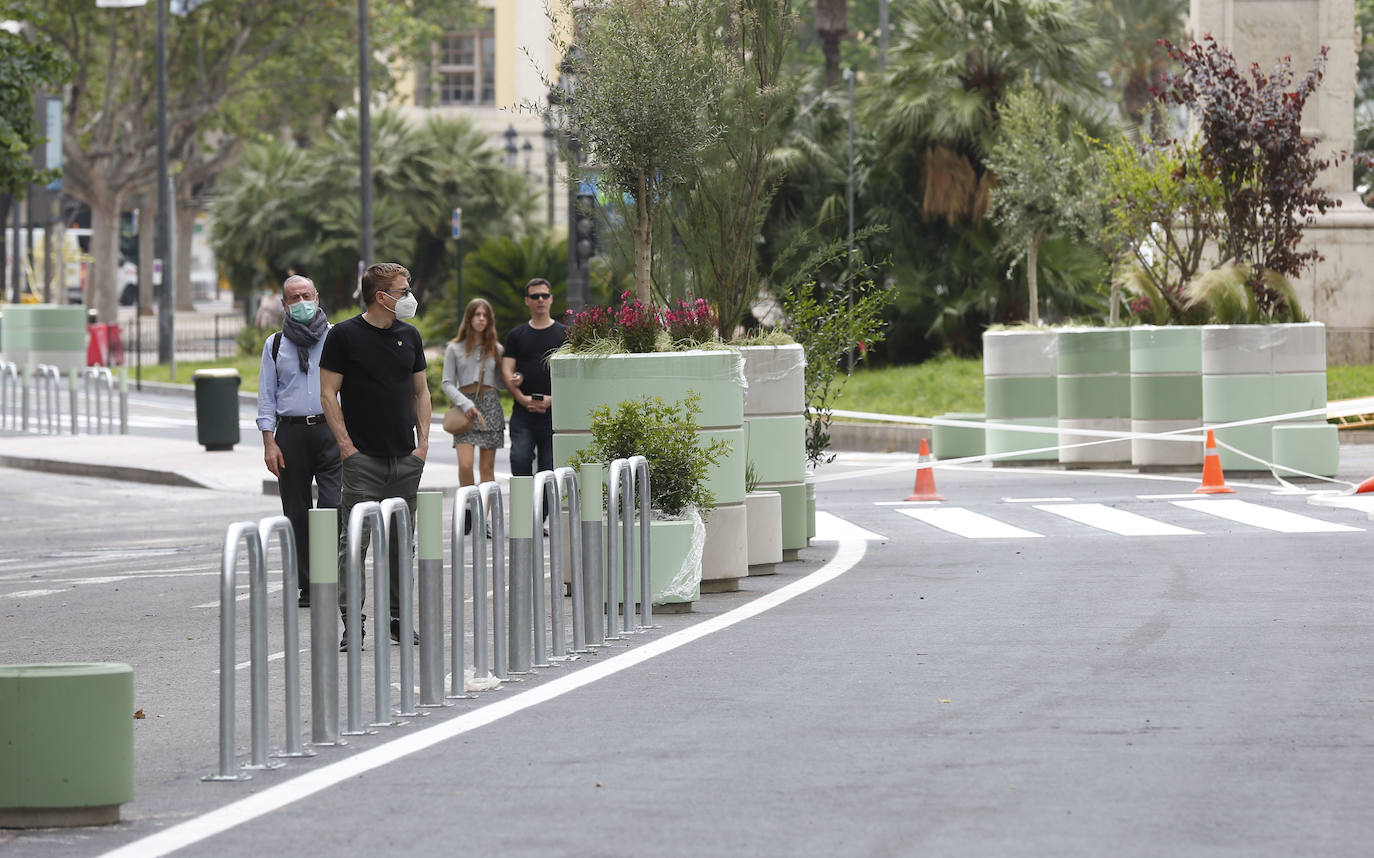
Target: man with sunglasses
(376,400)
(525,371)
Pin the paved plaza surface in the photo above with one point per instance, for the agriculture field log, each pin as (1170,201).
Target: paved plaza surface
(1047,663)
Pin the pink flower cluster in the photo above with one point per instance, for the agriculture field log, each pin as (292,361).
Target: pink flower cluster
(694,321)
(637,324)
(589,325)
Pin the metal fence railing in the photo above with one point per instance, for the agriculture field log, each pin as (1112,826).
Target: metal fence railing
(201,337)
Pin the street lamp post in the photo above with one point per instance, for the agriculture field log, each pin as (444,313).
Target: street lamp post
(528,149)
(550,144)
(364,137)
(849,195)
(511,149)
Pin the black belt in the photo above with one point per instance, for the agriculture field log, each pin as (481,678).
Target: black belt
(309,420)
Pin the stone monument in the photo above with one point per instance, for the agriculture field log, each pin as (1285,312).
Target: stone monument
(1333,291)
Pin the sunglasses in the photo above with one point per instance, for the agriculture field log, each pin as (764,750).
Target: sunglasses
(540,296)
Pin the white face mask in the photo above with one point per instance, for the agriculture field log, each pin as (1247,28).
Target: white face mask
(406,307)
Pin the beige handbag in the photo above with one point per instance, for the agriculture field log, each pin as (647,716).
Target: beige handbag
(456,420)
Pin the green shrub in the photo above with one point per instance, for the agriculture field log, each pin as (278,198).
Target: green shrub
(667,436)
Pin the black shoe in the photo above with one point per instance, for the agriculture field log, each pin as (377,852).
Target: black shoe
(304,600)
(467,522)
(396,632)
(362,639)
(488,530)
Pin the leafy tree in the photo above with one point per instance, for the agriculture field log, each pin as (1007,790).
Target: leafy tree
(644,87)
(728,192)
(1252,145)
(1134,29)
(27,63)
(234,68)
(1046,182)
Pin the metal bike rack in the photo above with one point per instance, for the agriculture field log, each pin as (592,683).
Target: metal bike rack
(546,498)
(98,385)
(47,382)
(240,533)
(469,501)
(627,478)
(11,392)
(490,494)
(566,478)
(291,657)
(639,487)
(369,514)
(396,519)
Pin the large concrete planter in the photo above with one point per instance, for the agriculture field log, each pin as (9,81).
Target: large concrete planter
(66,743)
(1020,368)
(774,404)
(582,383)
(765,531)
(1257,371)
(958,442)
(674,568)
(1094,392)
(36,334)
(1166,394)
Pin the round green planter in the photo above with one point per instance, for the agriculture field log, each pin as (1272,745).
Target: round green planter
(1166,394)
(958,442)
(1020,389)
(1094,392)
(66,743)
(774,403)
(34,334)
(583,383)
(674,569)
(1256,371)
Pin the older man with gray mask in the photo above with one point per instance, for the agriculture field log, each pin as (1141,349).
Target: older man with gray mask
(298,446)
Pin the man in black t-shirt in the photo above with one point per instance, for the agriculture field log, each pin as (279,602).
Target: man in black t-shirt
(525,370)
(375,398)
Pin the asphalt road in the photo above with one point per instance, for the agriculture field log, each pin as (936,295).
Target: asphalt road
(926,687)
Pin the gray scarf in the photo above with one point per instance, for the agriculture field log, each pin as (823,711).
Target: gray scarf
(305,336)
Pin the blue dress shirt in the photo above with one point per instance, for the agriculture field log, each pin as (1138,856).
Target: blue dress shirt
(282,388)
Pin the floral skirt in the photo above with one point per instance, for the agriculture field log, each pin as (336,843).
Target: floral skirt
(493,437)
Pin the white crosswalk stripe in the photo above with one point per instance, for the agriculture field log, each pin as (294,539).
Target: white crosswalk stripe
(967,523)
(1268,518)
(1115,520)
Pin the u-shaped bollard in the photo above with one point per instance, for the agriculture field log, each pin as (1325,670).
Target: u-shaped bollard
(239,533)
(291,656)
(365,514)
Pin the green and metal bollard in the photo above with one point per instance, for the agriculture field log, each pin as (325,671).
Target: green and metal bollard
(429,514)
(592,478)
(324,627)
(520,626)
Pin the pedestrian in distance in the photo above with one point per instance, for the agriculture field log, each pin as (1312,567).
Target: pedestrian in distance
(472,370)
(525,371)
(298,447)
(376,399)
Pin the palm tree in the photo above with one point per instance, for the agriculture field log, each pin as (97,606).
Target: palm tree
(1133,28)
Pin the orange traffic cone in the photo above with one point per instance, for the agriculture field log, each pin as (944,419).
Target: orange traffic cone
(1213,483)
(924,489)
(1365,487)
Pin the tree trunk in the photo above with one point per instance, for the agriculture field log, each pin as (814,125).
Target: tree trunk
(102,286)
(832,25)
(183,233)
(147,247)
(644,242)
(1032,264)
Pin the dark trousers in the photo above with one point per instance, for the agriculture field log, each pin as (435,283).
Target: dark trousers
(376,478)
(530,434)
(312,455)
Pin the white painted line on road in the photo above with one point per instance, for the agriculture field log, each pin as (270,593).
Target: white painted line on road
(847,556)
(1037,500)
(1265,517)
(967,523)
(832,528)
(29,594)
(1113,520)
(1179,496)
(241,597)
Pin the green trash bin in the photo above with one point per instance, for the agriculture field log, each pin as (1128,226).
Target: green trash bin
(217,408)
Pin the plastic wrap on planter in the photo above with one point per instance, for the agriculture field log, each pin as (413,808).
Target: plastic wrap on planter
(1166,394)
(1020,389)
(1094,392)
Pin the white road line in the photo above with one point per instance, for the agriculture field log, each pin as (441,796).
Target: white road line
(1265,517)
(1179,496)
(969,524)
(832,528)
(1114,520)
(1037,500)
(251,807)
(29,594)
(241,597)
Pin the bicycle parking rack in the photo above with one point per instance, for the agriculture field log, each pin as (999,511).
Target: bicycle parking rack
(366,514)
(628,479)
(548,487)
(98,386)
(280,526)
(11,394)
(396,517)
(490,495)
(47,401)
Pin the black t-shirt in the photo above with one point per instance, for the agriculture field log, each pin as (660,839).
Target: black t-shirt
(377,393)
(530,348)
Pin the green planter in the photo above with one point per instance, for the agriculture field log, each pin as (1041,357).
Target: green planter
(675,571)
(1261,371)
(1166,394)
(958,442)
(66,743)
(1020,389)
(583,383)
(774,403)
(1094,392)
(36,334)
